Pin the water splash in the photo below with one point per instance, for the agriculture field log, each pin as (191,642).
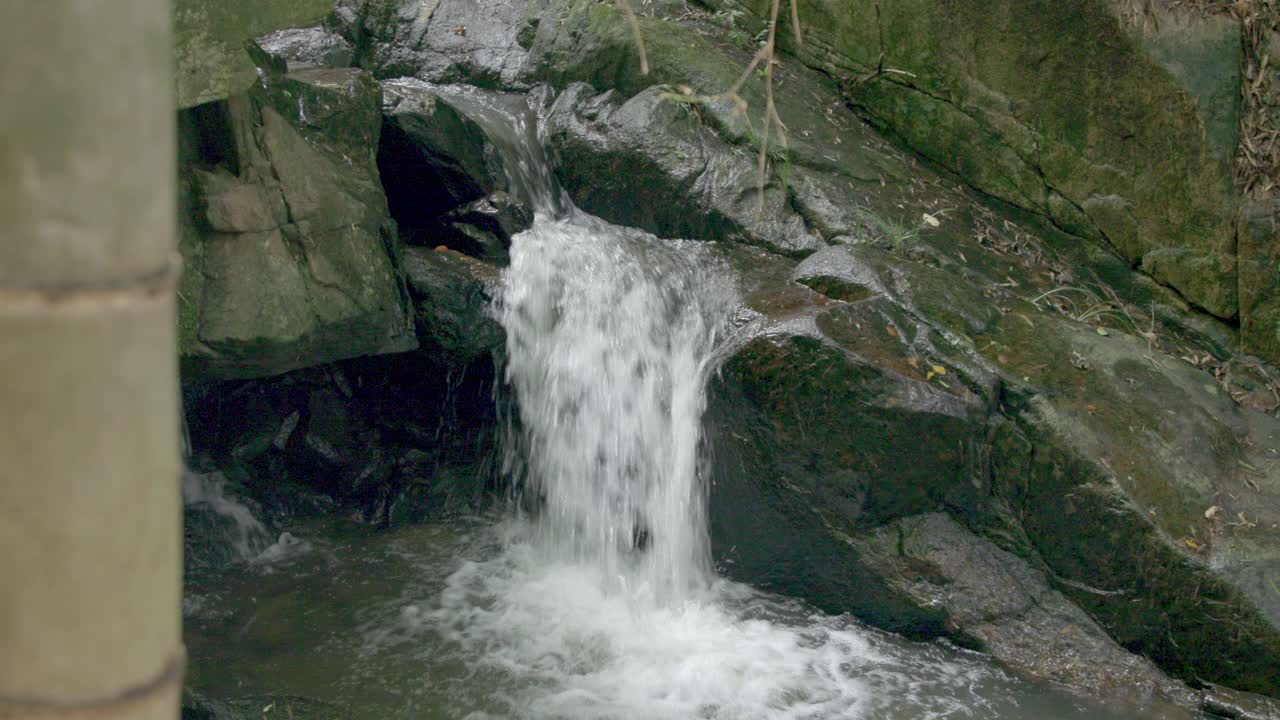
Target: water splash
(242,531)
(235,525)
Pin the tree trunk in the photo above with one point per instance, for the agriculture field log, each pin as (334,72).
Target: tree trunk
(90,517)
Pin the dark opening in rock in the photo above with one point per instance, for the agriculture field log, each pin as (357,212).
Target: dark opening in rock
(206,137)
(419,187)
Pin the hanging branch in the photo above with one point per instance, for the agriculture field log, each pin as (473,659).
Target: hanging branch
(767,54)
(635,32)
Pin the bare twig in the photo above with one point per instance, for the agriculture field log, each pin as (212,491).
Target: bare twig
(795,22)
(635,31)
(767,54)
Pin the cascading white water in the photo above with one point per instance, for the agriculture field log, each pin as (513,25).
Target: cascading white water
(610,336)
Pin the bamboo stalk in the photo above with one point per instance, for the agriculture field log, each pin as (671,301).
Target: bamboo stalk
(90,518)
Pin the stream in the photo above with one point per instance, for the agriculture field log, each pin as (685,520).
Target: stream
(593,595)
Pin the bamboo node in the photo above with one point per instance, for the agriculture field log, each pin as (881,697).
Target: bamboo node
(154,698)
(149,286)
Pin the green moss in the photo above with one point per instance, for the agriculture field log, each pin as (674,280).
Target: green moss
(209,41)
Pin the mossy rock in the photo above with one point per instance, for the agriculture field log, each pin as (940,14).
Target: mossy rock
(289,246)
(1053,106)
(210,37)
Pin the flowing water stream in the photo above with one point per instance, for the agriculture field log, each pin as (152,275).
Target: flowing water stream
(601,601)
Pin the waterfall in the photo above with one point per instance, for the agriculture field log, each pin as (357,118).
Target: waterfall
(603,603)
(610,335)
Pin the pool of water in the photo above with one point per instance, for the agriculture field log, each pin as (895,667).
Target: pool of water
(469,619)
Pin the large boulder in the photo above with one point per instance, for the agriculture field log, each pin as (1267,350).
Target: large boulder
(1136,484)
(453,294)
(289,246)
(993,601)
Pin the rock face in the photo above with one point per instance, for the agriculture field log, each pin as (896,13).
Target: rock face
(996,602)
(1114,125)
(1259,248)
(289,246)
(1124,473)
(681,179)
(386,440)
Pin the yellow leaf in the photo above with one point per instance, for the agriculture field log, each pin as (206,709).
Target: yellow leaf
(939,370)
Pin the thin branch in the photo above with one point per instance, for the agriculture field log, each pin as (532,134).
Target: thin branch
(795,23)
(770,112)
(639,36)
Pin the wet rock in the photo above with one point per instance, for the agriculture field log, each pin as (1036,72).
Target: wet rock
(382,440)
(308,47)
(905,386)
(220,521)
(445,41)
(484,228)
(452,298)
(679,179)
(286,234)
(833,422)
(1228,703)
(996,602)
(198,706)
